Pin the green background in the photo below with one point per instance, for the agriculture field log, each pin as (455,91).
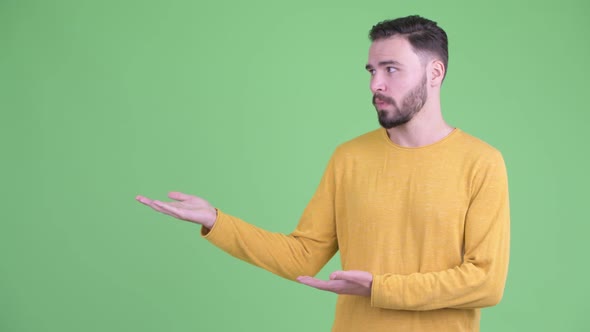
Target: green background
(242,103)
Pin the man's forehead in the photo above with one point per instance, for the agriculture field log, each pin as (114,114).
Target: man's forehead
(394,48)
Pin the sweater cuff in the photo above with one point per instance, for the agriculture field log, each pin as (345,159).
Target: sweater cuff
(224,234)
(210,233)
(386,297)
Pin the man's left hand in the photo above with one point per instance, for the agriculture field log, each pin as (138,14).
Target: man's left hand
(343,282)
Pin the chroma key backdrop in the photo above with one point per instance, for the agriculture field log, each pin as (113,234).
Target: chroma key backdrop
(242,103)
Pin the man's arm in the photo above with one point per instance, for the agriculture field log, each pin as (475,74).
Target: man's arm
(479,281)
(303,252)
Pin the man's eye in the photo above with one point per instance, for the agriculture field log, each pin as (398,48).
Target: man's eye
(391,70)
(372,72)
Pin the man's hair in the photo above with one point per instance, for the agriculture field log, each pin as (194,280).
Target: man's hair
(424,35)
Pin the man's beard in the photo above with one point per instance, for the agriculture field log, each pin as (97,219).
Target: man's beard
(412,103)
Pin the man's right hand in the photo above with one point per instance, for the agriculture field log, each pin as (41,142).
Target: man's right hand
(186,207)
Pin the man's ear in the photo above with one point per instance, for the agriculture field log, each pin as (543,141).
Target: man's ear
(436,73)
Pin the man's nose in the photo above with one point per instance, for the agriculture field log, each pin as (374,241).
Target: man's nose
(377,84)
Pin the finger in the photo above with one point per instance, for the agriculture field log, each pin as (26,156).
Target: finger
(143,200)
(313,282)
(167,209)
(336,275)
(179,196)
(350,275)
(157,207)
(358,277)
(336,286)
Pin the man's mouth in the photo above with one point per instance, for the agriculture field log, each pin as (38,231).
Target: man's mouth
(380,102)
(377,101)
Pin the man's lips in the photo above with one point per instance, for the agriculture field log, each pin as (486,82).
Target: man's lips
(380,102)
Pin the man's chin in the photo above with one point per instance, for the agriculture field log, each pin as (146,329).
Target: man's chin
(388,123)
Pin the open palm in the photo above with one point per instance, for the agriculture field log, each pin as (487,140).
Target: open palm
(186,207)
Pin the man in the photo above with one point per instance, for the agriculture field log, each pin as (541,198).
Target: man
(418,209)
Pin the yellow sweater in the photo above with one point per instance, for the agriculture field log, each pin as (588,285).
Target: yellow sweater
(431,224)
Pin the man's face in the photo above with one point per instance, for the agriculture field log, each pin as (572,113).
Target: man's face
(398,81)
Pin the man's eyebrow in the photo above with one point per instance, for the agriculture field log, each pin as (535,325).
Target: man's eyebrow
(385,63)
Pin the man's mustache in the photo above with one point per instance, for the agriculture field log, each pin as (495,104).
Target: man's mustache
(383,99)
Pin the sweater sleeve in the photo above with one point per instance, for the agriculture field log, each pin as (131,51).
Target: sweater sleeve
(303,252)
(477,282)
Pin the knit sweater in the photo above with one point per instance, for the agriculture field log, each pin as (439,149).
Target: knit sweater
(431,224)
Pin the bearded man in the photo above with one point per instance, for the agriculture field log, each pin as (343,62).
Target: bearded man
(418,209)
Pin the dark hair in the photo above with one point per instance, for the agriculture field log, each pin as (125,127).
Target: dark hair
(423,34)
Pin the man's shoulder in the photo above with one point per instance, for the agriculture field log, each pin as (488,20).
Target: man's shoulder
(363,142)
(477,147)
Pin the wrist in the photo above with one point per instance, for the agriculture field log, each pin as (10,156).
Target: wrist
(211,222)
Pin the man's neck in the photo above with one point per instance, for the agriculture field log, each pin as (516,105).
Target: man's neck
(427,127)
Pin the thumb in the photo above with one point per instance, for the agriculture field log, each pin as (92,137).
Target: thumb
(338,275)
(179,196)
(359,277)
